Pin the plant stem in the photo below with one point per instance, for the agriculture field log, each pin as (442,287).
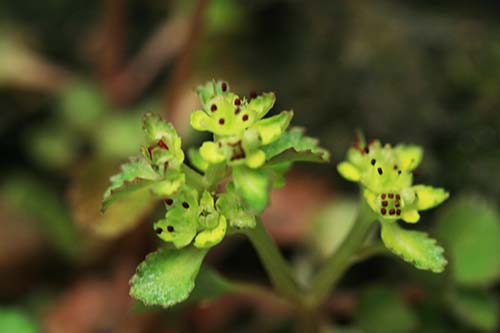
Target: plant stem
(274,263)
(193,178)
(339,261)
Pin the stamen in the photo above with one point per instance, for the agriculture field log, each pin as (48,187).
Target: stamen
(253,95)
(397,204)
(366,150)
(399,172)
(224,86)
(385,203)
(158,230)
(221,121)
(398,212)
(162,144)
(383,211)
(237,101)
(245,117)
(383,196)
(392,211)
(395,167)
(169,201)
(398,197)
(185,205)
(391,195)
(373,161)
(213,108)
(170,228)
(150,151)
(380,172)
(237,111)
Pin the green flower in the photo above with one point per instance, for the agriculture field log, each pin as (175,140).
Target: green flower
(164,144)
(237,124)
(191,218)
(157,169)
(386,176)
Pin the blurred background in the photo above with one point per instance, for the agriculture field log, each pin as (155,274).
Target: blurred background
(76,77)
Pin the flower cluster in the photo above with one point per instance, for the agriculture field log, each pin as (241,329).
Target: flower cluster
(386,176)
(237,124)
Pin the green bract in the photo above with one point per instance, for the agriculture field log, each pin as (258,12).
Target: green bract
(385,174)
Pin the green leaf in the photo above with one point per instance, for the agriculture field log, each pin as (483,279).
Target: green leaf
(82,104)
(470,231)
(476,308)
(167,277)
(293,146)
(15,321)
(253,186)
(382,310)
(135,175)
(414,247)
(31,196)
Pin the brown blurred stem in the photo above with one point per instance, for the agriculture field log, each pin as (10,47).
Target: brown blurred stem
(182,70)
(112,40)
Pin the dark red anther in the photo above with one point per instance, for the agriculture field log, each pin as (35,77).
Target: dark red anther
(253,95)
(158,230)
(162,144)
(366,150)
(371,142)
(398,197)
(383,211)
(395,167)
(221,121)
(170,228)
(150,151)
(168,202)
(185,205)
(383,196)
(224,86)
(380,172)
(373,161)
(398,212)
(399,172)
(245,117)
(397,204)
(392,211)
(384,203)
(237,101)
(391,195)
(213,108)
(237,111)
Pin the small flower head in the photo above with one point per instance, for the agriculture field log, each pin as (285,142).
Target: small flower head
(237,124)
(163,148)
(386,175)
(189,218)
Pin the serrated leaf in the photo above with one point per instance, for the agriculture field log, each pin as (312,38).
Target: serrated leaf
(414,247)
(134,175)
(382,310)
(15,321)
(167,276)
(470,230)
(293,146)
(253,185)
(476,308)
